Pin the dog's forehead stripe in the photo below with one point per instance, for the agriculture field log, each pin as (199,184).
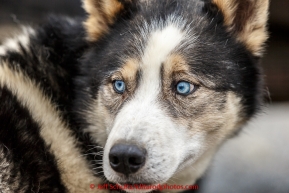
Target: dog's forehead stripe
(160,45)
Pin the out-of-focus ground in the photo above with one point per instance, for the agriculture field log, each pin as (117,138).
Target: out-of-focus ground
(255,161)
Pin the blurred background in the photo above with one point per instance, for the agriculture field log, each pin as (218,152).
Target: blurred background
(257,160)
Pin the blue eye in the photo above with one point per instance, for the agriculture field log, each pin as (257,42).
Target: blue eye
(119,86)
(184,88)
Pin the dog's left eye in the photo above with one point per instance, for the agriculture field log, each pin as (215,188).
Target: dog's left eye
(185,88)
(119,86)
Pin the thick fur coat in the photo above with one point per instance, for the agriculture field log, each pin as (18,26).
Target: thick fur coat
(140,92)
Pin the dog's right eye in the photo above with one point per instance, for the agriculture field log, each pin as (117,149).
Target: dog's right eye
(119,86)
(185,88)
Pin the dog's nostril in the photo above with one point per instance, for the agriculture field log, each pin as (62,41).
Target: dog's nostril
(114,160)
(126,158)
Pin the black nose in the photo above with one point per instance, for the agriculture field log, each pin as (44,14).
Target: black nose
(126,159)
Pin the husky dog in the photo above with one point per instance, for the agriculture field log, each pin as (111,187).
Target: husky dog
(159,84)
(167,81)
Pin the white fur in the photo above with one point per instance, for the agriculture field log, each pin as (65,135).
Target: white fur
(160,45)
(13,44)
(75,172)
(2,51)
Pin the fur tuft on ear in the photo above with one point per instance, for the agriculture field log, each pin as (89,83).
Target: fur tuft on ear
(102,14)
(247,20)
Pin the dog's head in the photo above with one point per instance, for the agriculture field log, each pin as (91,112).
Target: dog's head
(166,81)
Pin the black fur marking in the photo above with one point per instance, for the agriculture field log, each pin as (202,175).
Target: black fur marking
(19,134)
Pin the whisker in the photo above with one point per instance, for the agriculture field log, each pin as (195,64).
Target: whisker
(91,154)
(97,161)
(97,167)
(96,146)
(98,173)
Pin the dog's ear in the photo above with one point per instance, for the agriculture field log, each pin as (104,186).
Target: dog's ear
(247,20)
(102,14)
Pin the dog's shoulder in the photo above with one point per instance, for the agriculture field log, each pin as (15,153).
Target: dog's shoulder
(36,71)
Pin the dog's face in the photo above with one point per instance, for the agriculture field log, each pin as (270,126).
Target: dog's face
(167,83)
